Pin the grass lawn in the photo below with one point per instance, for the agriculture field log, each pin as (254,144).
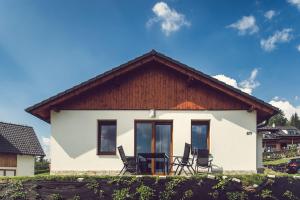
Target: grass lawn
(278,162)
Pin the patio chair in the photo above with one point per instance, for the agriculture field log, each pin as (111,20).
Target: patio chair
(183,162)
(129,162)
(203,160)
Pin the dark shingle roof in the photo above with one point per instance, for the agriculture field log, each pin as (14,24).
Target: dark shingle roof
(271,132)
(19,139)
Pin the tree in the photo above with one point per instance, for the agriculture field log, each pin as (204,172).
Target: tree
(295,121)
(278,119)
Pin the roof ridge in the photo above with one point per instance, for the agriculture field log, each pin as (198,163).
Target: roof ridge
(152,54)
(10,123)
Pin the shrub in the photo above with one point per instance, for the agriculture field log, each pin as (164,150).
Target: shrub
(55,197)
(188,194)
(289,195)
(170,188)
(121,194)
(15,191)
(41,167)
(76,197)
(266,194)
(145,192)
(221,184)
(236,196)
(93,185)
(214,194)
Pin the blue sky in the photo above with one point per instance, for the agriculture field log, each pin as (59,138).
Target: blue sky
(49,46)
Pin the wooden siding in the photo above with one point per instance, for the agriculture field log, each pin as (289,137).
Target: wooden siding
(8,160)
(154,87)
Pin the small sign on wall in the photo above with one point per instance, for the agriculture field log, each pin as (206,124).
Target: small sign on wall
(152,113)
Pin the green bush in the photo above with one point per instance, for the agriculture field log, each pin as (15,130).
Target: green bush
(121,194)
(236,196)
(188,194)
(289,195)
(144,192)
(169,191)
(55,197)
(41,167)
(266,194)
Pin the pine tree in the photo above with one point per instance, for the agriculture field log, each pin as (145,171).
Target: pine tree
(278,120)
(295,121)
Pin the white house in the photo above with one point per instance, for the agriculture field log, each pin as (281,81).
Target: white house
(18,148)
(152,104)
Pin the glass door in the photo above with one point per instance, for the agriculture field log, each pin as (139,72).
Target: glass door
(143,144)
(154,137)
(162,145)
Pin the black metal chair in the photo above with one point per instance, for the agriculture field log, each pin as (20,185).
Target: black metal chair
(203,160)
(130,164)
(183,162)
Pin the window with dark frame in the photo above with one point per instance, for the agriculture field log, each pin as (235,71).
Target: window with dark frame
(200,135)
(107,137)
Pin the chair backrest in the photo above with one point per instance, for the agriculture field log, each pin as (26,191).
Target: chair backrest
(122,154)
(202,157)
(186,153)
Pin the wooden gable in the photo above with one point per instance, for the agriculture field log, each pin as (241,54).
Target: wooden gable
(152,81)
(153,87)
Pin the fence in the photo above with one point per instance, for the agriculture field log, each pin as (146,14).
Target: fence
(8,172)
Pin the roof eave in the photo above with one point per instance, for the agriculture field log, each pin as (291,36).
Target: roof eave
(271,110)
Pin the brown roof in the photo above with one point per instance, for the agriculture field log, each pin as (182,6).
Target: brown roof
(264,109)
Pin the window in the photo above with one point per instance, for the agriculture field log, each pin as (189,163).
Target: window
(107,136)
(200,135)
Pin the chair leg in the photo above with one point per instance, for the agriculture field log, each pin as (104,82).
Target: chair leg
(185,172)
(194,171)
(189,170)
(170,167)
(121,170)
(181,170)
(176,169)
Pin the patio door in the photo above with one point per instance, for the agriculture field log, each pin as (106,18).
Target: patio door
(154,137)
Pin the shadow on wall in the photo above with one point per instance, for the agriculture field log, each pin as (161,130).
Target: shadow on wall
(236,119)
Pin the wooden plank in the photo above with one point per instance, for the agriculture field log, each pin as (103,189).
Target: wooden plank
(8,160)
(154,87)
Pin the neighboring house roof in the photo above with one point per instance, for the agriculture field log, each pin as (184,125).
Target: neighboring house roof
(42,109)
(270,132)
(19,139)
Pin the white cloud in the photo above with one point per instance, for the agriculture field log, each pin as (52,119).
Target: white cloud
(247,85)
(298,47)
(287,108)
(270,43)
(246,25)
(295,3)
(170,20)
(46,146)
(297,98)
(270,14)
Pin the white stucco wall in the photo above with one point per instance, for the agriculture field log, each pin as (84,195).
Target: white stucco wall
(259,150)
(25,165)
(74,137)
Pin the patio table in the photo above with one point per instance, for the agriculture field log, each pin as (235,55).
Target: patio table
(155,156)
